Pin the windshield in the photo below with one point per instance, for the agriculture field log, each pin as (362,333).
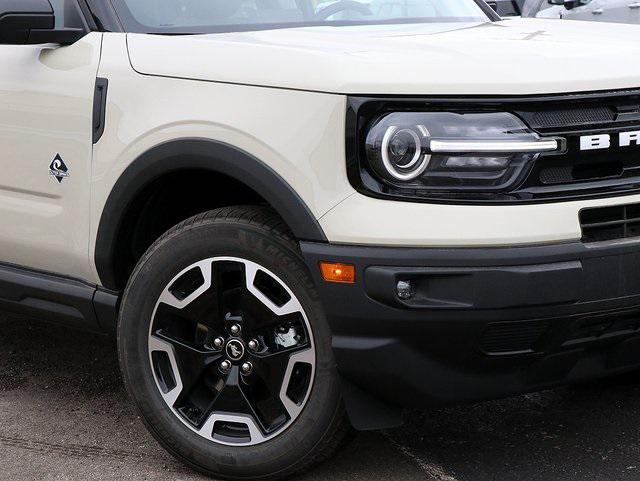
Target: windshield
(209,16)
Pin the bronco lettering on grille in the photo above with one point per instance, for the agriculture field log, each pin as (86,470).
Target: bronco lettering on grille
(603,141)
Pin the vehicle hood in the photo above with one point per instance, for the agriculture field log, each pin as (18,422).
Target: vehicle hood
(518,56)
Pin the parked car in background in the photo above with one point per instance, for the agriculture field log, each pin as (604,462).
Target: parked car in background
(618,11)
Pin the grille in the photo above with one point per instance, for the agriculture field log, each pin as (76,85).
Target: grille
(574,117)
(581,173)
(610,223)
(511,338)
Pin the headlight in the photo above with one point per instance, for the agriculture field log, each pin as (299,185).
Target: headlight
(446,151)
(402,153)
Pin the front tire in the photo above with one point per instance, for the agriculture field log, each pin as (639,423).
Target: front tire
(225,349)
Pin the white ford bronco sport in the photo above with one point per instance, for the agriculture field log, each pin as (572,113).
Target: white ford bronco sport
(300,217)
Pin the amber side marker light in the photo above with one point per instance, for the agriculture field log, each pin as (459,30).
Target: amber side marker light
(336,272)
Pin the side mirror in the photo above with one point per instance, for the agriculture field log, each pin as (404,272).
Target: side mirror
(32,22)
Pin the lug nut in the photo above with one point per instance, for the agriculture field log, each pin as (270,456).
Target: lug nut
(218,342)
(225,365)
(246,367)
(253,345)
(235,329)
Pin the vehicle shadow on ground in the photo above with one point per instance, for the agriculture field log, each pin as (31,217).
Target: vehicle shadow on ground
(64,414)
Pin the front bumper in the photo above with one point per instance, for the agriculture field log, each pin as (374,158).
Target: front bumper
(484,322)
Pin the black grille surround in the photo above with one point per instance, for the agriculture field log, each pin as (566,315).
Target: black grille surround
(572,175)
(601,224)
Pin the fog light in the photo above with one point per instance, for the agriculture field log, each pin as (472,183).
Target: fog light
(405,290)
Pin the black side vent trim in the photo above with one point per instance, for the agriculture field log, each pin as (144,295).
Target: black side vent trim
(610,223)
(99,108)
(512,338)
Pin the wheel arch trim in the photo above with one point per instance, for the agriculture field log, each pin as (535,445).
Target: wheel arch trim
(200,154)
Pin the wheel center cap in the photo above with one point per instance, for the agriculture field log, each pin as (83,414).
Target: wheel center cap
(235,349)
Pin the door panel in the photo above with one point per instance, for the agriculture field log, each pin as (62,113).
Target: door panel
(46,102)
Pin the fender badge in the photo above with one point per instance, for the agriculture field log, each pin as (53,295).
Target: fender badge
(58,169)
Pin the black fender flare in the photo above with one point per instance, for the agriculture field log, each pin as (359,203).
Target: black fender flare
(205,154)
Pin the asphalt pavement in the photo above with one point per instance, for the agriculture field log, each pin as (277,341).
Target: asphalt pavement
(65,416)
